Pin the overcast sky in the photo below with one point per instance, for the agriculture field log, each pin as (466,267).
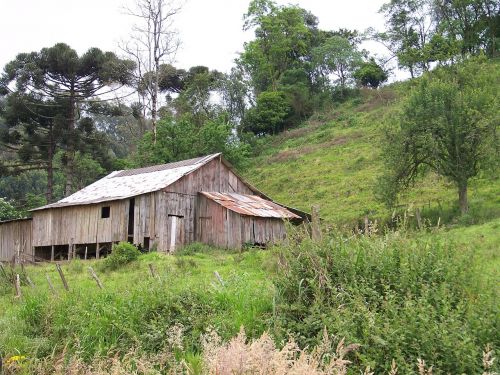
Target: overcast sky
(210,30)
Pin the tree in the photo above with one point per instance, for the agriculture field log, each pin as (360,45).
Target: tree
(410,25)
(447,126)
(339,57)
(153,45)
(472,24)
(269,114)
(8,211)
(370,74)
(59,78)
(284,38)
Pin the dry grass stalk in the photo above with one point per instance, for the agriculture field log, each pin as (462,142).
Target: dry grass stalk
(488,361)
(422,368)
(260,356)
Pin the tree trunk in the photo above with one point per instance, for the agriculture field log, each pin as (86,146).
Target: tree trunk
(462,198)
(50,169)
(70,152)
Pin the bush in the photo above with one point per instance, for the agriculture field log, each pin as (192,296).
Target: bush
(398,297)
(121,254)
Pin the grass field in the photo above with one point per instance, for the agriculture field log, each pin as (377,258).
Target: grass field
(334,159)
(403,294)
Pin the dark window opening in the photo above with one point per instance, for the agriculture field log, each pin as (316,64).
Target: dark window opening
(105,212)
(146,243)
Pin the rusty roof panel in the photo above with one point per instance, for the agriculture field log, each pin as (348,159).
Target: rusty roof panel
(250,205)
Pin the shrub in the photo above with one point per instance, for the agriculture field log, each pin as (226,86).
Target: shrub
(121,254)
(399,297)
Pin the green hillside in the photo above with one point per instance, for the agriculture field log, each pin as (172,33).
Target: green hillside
(334,158)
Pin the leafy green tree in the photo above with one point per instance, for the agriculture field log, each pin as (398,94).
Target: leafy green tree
(410,25)
(8,211)
(269,114)
(339,57)
(473,25)
(448,126)
(59,77)
(284,38)
(370,74)
(180,139)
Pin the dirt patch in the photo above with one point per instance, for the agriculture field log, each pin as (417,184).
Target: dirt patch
(289,155)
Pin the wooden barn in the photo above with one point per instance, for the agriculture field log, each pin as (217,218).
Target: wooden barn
(161,207)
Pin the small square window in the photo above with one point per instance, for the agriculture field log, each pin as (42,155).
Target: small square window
(105,211)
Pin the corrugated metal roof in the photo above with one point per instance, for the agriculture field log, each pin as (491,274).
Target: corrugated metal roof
(251,205)
(129,183)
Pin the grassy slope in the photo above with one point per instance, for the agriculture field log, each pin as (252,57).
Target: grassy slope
(335,158)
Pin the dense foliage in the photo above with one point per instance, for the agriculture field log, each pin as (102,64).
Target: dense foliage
(399,297)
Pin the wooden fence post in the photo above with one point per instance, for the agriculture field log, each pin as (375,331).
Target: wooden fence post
(30,282)
(94,276)
(50,283)
(18,286)
(419,218)
(61,274)
(315,222)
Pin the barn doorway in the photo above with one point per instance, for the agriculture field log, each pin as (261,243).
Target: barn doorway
(131,214)
(176,232)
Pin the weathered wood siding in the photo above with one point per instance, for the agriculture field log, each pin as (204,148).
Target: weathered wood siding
(167,217)
(13,235)
(218,226)
(80,224)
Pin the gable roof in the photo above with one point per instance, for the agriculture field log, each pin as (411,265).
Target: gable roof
(129,183)
(250,205)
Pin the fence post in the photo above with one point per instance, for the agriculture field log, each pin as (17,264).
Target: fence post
(219,278)
(50,283)
(18,286)
(85,257)
(94,276)
(61,274)
(315,222)
(419,218)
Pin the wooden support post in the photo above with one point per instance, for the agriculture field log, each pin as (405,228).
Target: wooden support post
(94,276)
(70,249)
(97,250)
(52,250)
(18,286)
(419,218)
(50,283)
(315,223)
(63,279)
(85,256)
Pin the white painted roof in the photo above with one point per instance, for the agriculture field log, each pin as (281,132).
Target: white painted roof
(125,184)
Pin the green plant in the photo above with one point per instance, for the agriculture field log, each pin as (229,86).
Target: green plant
(121,254)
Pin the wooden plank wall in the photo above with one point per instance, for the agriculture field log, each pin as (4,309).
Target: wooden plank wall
(13,234)
(218,226)
(80,224)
